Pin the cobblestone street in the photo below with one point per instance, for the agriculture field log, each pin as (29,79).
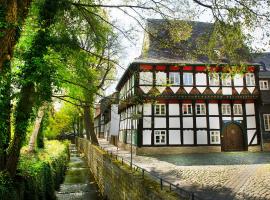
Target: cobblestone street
(243,175)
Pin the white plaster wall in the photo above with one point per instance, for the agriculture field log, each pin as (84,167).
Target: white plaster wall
(250,110)
(238,80)
(201,137)
(188,89)
(146,78)
(174,137)
(115,118)
(227,91)
(187,122)
(174,122)
(173,109)
(147,109)
(161,78)
(250,134)
(251,122)
(238,118)
(226,118)
(188,137)
(214,123)
(201,79)
(147,122)
(213,109)
(160,122)
(147,137)
(201,122)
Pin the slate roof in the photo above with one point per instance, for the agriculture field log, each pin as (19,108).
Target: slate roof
(264,60)
(158,43)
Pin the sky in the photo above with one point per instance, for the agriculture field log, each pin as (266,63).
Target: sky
(132,49)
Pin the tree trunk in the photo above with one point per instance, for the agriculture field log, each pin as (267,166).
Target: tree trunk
(89,126)
(81,127)
(5,108)
(12,15)
(11,11)
(36,130)
(22,116)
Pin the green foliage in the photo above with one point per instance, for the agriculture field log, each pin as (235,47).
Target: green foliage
(61,121)
(39,174)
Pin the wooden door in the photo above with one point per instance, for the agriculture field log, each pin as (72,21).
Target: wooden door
(232,138)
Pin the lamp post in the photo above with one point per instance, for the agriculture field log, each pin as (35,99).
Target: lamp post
(135,116)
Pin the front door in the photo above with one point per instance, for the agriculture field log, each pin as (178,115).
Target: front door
(232,138)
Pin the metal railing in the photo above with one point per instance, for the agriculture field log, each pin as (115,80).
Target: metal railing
(163,183)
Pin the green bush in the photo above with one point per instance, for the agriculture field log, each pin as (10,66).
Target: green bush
(38,174)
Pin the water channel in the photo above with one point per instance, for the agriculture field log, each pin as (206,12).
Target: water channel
(79,182)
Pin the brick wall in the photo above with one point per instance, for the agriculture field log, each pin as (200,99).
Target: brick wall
(117,181)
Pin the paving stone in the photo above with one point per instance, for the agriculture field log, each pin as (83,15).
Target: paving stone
(223,176)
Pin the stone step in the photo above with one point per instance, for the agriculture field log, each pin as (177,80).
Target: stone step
(77,175)
(79,196)
(76,188)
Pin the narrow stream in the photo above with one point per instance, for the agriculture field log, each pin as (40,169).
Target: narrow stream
(79,182)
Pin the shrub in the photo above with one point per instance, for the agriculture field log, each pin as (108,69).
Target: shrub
(38,174)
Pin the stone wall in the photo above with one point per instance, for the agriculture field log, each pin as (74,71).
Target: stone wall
(116,180)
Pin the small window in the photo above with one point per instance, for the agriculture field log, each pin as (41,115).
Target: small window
(237,109)
(250,79)
(160,109)
(213,79)
(264,85)
(226,109)
(266,119)
(174,78)
(188,79)
(227,81)
(160,137)
(215,137)
(187,109)
(200,109)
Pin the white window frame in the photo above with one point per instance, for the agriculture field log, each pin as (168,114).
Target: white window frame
(264,85)
(227,80)
(250,79)
(266,121)
(187,78)
(174,78)
(159,108)
(214,79)
(226,109)
(237,109)
(215,137)
(188,107)
(161,134)
(199,108)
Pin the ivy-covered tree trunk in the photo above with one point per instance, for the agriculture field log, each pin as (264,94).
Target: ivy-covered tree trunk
(12,14)
(22,116)
(5,113)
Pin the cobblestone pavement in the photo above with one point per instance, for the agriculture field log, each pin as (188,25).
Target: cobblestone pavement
(247,180)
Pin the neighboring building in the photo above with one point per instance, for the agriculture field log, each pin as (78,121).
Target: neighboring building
(107,122)
(264,109)
(184,107)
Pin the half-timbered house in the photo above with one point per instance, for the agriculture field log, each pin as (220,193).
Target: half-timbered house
(173,103)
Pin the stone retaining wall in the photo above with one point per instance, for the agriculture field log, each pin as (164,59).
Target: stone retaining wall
(116,180)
